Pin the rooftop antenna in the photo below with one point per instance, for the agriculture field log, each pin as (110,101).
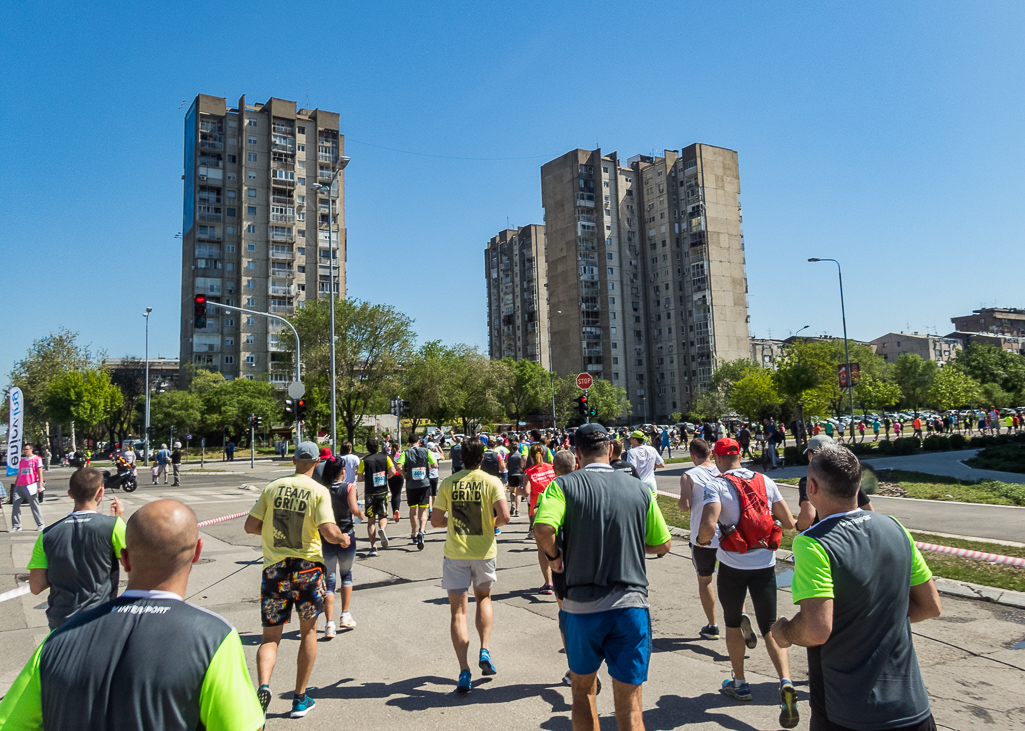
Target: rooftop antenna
(184,102)
(307,94)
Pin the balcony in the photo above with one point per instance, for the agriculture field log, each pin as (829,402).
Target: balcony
(281,254)
(282,182)
(274,344)
(211,214)
(282,217)
(276,290)
(327,157)
(324,174)
(282,310)
(282,164)
(282,273)
(278,146)
(208,252)
(214,143)
(285,237)
(283,129)
(208,236)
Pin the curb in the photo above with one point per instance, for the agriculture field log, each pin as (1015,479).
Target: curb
(950,587)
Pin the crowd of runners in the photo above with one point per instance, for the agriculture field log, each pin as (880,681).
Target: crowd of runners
(590,497)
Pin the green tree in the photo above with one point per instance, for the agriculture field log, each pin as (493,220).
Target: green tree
(529,388)
(609,401)
(85,398)
(129,376)
(989,364)
(430,383)
(914,376)
(875,393)
(203,380)
(952,388)
(231,404)
(181,409)
(371,342)
(796,380)
(47,358)
(480,386)
(755,394)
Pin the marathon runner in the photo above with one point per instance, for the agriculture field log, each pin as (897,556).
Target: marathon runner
(692,498)
(111,667)
(338,560)
(376,469)
(514,466)
(617,462)
(645,458)
(77,558)
(415,463)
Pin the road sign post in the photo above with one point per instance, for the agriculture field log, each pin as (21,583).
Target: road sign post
(584,382)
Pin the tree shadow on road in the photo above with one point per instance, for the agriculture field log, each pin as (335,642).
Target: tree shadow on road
(676,644)
(429,691)
(673,711)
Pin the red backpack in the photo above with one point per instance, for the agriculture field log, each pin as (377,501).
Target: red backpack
(756,528)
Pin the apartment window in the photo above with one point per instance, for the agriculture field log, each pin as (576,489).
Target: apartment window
(229,229)
(250,265)
(231,211)
(250,360)
(609,255)
(250,321)
(250,284)
(251,229)
(231,194)
(301,148)
(615,376)
(612,286)
(229,322)
(250,340)
(251,157)
(301,164)
(301,251)
(610,271)
(251,140)
(251,123)
(302,233)
(301,181)
(230,248)
(250,175)
(250,247)
(229,266)
(301,269)
(250,302)
(232,159)
(612,300)
(232,177)
(229,359)
(300,131)
(251,193)
(300,199)
(229,341)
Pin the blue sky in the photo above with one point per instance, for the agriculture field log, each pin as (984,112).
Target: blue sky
(887,135)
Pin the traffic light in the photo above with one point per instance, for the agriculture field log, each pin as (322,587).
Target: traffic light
(582,405)
(289,406)
(200,311)
(259,422)
(300,409)
(593,412)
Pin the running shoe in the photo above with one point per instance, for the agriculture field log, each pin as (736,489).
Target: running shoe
(384,538)
(395,516)
(464,686)
(301,707)
(750,638)
(788,716)
(530,535)
(741,692)
(546,589)
(263,695)
(486,666)
(420,541)
(498,531)
(371,553)
(566,679)
(347,621)
(710,632)
(330,631)
(412,540)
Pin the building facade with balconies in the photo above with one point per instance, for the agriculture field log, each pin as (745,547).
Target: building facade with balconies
(514,267)
(646,272)
(255,227)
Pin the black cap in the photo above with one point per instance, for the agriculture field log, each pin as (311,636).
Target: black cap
(592,434)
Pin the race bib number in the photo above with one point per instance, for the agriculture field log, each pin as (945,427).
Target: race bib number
(379,479)
(419,473)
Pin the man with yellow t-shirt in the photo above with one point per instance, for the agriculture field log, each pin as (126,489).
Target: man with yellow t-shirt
(471,504)
(291,516)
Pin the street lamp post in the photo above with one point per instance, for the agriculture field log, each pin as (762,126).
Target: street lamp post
(326,190)
(551,372)
(846,348)
(146,424)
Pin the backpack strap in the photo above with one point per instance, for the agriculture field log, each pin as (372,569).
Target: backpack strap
(753,489)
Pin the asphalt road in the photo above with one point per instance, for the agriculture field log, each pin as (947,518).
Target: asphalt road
(396,670)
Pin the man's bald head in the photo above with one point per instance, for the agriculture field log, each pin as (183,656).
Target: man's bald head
(161,540)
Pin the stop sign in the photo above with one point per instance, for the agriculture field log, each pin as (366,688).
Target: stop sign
(584,381)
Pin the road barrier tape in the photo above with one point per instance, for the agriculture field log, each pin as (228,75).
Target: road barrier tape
(967,553)
(949,550)
(14,593)
(226,518)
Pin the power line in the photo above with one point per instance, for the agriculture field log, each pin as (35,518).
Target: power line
(446,157)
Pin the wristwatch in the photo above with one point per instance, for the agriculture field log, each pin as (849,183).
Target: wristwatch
(702,545)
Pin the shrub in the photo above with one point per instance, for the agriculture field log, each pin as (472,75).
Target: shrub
(861,448)
(936,443)
(885,447)
(906,445)
(957,441)
(793,456)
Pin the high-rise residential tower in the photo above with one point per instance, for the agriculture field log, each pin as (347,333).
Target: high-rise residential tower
(646,273)
(514,266)
(255,226)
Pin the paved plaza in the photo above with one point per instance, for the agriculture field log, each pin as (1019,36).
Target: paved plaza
(397,670)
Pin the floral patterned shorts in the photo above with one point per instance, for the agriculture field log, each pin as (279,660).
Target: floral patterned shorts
(292,581)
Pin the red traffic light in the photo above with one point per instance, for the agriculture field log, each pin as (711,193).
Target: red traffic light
(200,299)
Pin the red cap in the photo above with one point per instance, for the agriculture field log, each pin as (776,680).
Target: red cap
(727,446)
(325,453)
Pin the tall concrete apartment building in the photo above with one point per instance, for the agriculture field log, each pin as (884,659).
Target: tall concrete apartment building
(646,273)
(514,266)
(255,227)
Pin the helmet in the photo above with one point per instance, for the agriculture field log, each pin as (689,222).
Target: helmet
(177,445)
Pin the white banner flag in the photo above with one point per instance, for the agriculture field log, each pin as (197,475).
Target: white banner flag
(15,430)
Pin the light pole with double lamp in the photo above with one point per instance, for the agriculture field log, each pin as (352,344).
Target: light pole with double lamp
(145,457)
(846,348)
(326,190)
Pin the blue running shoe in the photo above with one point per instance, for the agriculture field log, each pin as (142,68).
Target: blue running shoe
(741,691)
(463,686)
(302,706)
(486,666)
